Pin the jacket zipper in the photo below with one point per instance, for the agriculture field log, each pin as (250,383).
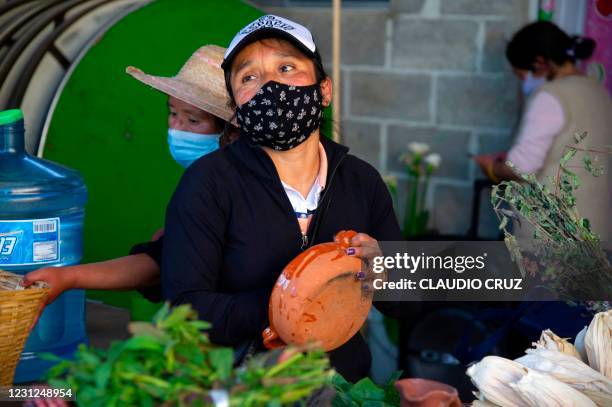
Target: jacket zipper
(305,240)
(315,218)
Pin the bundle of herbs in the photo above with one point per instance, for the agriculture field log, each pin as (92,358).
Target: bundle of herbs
(575,266)
(171,362)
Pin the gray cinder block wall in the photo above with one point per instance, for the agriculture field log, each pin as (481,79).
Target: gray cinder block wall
(425,70)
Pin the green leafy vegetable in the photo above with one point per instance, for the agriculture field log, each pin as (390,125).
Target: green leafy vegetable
(170,362)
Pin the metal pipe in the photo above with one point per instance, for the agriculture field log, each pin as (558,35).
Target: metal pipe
(337,88)
(18,92)
(36,27)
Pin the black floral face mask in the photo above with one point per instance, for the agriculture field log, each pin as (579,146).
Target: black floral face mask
(281,116)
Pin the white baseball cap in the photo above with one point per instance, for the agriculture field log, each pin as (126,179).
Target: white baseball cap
(270,26)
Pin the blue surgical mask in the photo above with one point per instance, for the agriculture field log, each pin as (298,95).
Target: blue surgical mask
(186,147)
(531,83)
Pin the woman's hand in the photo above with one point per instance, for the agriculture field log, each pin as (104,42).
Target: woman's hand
(60,279)
(366,248)
(487,162)
(157,235)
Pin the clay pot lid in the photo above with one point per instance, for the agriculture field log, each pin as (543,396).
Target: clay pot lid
(318,298)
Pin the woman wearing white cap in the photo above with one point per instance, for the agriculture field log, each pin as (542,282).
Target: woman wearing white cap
(199,113)
(241,214)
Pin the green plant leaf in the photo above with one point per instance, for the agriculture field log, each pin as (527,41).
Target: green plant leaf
(343,400)
(161,313)
(392,396)
(567,157)
(340,383)
(221,360)
(366,389)
(143,342)
(103,374)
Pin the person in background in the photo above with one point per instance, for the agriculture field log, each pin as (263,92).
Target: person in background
(561,103)
(199,119)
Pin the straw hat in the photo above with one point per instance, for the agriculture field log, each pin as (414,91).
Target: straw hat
(200,82)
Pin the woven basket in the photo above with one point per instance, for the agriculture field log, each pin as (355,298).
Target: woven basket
(18,308)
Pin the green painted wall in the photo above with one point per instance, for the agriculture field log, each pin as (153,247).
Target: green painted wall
(112,128)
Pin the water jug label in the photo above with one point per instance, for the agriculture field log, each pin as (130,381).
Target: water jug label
(29,242)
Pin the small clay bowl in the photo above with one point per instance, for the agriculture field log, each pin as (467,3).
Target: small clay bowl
(426,393)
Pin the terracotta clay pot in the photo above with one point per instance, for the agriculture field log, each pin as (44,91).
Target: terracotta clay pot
(318,298)
(426,393)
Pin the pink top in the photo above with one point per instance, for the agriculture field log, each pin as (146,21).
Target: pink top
(542,121)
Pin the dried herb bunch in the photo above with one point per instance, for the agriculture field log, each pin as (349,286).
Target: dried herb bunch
(575,264)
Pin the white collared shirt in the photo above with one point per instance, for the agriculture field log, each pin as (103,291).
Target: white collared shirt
(304,207)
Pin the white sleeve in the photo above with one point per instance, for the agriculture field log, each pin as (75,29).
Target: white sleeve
(542,121)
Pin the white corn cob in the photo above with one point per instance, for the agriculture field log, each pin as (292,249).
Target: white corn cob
(540,390)
(571,371)
(492,376)
(548,340)
(598,343)
(599,398)
(482,403)
(579,344)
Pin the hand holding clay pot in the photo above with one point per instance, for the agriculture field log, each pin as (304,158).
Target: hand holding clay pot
(318,298)
(366,248)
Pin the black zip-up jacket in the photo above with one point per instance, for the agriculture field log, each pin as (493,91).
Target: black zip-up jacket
(230,231)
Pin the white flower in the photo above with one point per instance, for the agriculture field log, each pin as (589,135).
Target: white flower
(433,161)
(418,148)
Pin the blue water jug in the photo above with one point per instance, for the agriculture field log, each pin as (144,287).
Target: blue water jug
(41,225)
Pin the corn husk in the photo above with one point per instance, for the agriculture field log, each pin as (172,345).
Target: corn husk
(483,403)
(598,343)
(548,340)
(9,281)
(579,344)
(571,371)
(541,390)
(492,376)
(599,398)
(12,282)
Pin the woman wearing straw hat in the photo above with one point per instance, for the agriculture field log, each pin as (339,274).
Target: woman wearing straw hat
(238,216)
(198,105)
(199,116)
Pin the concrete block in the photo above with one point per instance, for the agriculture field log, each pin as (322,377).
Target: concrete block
(363,32)
(451,210)
(483,7)
(435,44)
(390,95)
(478,101)
(497,36)
(363,139)
(406,6)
